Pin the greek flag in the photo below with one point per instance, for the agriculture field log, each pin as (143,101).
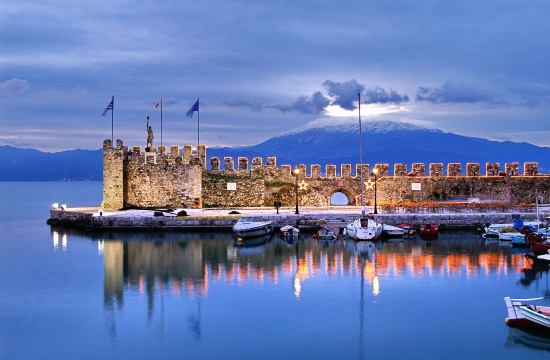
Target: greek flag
(109,107)
(194,108)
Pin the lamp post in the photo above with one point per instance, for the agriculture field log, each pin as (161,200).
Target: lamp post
(296,172)
(375,172)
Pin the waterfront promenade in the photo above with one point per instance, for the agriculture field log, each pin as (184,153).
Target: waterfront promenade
(452,216)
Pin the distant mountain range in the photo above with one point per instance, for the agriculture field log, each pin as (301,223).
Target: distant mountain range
(319,142)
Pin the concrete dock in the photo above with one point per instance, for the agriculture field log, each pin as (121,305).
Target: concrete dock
(94,218)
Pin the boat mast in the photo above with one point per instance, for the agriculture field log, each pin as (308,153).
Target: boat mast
(361,156)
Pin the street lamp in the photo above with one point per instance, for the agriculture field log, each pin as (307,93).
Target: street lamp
(375,172)
(296,172)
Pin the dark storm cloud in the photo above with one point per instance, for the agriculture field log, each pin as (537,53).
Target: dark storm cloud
(314,104)
(343,94)
(454,92)
(379,95)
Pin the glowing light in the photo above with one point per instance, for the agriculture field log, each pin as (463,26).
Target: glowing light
(297,286)
(376,285)
(55,240)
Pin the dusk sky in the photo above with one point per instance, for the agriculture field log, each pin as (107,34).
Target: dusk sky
(471,67)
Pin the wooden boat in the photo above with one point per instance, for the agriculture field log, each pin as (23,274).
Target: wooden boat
(525,315)
(327,233)
(289,231)
(251,226)
(429,230)
(411,230)
(539,243)
(390,230)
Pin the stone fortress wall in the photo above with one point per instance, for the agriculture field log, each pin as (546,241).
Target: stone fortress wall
(155,178)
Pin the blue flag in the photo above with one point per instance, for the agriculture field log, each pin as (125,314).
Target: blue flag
(194,108)
(109,107)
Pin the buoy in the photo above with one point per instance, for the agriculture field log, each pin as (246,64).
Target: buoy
(240,240)
(315,236)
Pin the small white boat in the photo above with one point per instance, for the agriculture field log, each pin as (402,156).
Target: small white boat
(364,228)
(327,233)
(289,231)
(506,233)
(521,314)
(251,226)
(390,230)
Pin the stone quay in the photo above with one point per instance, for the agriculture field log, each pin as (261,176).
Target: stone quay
(96,219)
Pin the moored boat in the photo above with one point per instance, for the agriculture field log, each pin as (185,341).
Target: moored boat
(429,230)
(521,314)
(251,226)
(289,231)
(411,230)
(539,243)
(390,230)
(327,233)
(364,228)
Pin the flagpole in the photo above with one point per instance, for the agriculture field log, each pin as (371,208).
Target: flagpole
(161,122)
(198,125)
(113,122)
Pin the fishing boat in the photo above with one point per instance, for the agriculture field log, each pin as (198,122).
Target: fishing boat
(521,314)
(518,224)
(251,226)
(411,230)
(429,230)
(364,228)
(506,233)
(327,233)
(390,230)
(539,243)
(289,231)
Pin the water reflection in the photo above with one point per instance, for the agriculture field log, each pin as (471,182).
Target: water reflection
(159,267)
(184,262)
(530,339)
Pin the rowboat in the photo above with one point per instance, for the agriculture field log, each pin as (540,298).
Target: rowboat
(390,230)
(429,230)
(327,233)
(289,231)
(521,314)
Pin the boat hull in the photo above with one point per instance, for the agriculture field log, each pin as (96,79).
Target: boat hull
(531,316)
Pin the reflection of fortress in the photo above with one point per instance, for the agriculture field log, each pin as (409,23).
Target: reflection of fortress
(181,179)
(190,267)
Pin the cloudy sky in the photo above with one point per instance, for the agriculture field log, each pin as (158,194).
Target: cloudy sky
(471,67)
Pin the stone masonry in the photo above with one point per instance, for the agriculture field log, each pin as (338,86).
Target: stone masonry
(156,178)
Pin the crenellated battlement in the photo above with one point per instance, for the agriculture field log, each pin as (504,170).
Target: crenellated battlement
(399,170)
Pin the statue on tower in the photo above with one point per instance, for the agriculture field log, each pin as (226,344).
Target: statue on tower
(149,134)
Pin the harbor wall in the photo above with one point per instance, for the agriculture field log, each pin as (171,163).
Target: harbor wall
(304,221)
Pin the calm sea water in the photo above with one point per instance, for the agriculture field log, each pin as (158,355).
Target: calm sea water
(73,295)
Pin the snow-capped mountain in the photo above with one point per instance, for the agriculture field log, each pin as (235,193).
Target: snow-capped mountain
(325,141)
